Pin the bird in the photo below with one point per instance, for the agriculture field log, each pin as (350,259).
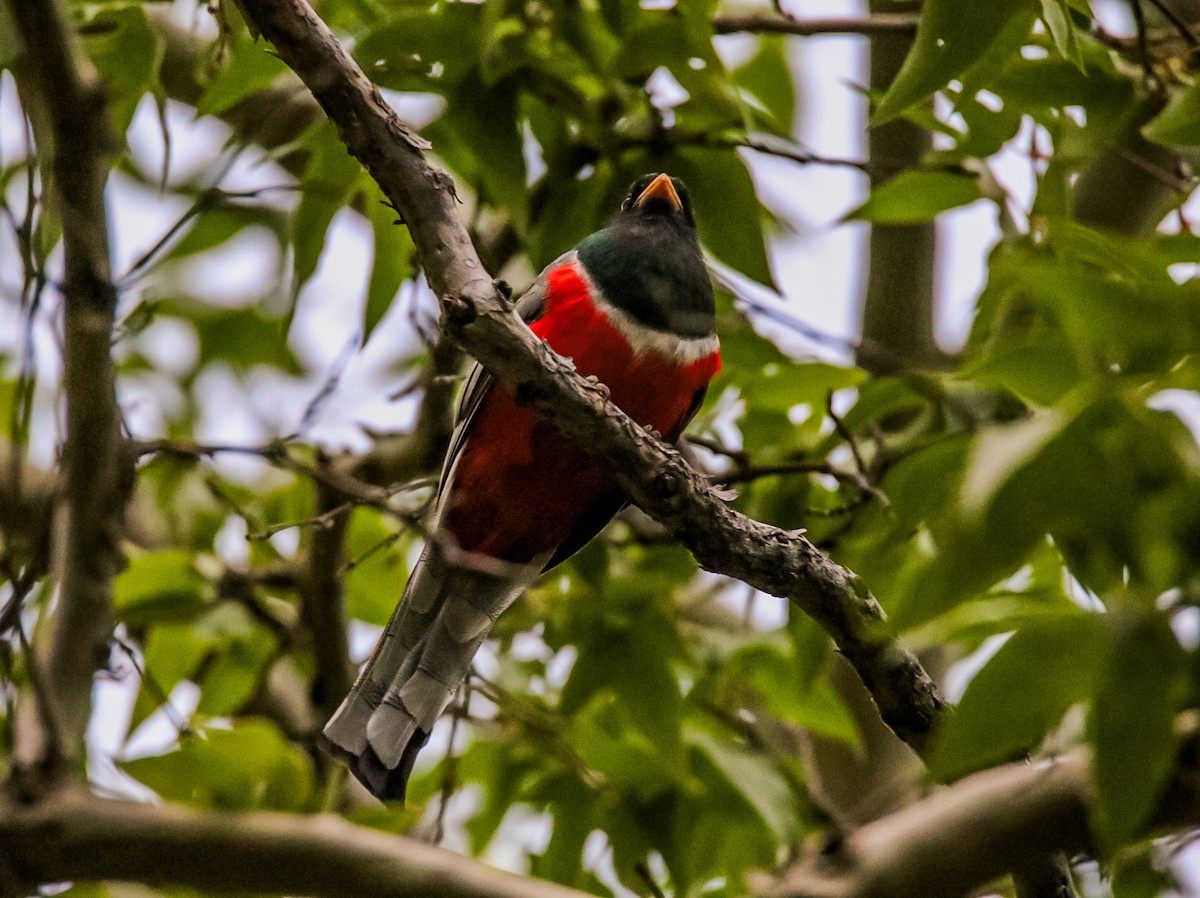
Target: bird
(632,306)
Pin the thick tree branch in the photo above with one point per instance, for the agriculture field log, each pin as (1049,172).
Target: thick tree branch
(98,470)
(655,476)
(880,23)
(74,836)
(957,839)
(1006,819)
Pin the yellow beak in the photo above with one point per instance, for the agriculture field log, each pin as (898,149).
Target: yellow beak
(661,188)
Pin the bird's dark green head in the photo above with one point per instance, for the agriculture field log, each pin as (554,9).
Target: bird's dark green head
(659,194)
(648,263)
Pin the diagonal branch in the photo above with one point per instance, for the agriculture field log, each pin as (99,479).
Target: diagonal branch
(654,475)
(1018,817)
(98,469)
(74,836)
(955,840)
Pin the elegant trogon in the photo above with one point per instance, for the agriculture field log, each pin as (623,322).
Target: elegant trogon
(632,306)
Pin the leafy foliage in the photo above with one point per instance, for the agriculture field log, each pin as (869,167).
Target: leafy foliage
(1042,492)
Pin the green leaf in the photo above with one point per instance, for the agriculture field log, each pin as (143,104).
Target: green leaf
(1020,695)
(481,119)
(423,47)
(914,196)
(754,779)
(127,52)
(249,767)
(160,586)
(251,68)
(1057,16)
(213,227)
(607,741)
(949,40)
(242,338)
(572,210)
(234,675)
(765,77)
(194,650)
(1179,123)
(1132,726)
(171,653)
(10,47)
(393,263)
(329,179)
(375,582)
(728,215)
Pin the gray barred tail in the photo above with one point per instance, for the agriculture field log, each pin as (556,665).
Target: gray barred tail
(422,657)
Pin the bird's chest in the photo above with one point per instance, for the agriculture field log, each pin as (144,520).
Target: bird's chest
(652,376)
(520,488)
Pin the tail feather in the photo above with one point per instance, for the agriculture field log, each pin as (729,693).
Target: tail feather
(421,660)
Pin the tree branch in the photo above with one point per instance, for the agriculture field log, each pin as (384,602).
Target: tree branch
(98,469)
(957,839)
(654,475)
(881,23)
(962,837)
(323,604)
(74,836)
(897,311)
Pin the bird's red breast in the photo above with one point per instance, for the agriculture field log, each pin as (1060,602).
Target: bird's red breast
(519,486)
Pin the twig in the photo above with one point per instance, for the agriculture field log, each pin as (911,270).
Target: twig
(1047,876)
(1181,26)
(372,550)
(898,23)
(161,696)
(239,586)
(537,721)
(844,432)
(450,762)
(1172,180)
(323,601)
(642,869)
(1139,18)
(768,144)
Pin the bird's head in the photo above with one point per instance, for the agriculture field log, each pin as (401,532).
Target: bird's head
(647,261)
(659,195)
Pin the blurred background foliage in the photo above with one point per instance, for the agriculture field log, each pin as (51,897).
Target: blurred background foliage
(1026,506)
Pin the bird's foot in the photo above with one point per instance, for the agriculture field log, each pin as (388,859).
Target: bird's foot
(600,386)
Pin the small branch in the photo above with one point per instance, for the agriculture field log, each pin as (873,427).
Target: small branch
(1139,19)
(98,470)
(655,476)
(882,23)
(1046,876)
(1185,30)
(74,836)
(768,144)
(323,603)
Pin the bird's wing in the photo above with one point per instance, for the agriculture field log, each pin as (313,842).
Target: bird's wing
(426,649)
(530,307)
(608,507)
